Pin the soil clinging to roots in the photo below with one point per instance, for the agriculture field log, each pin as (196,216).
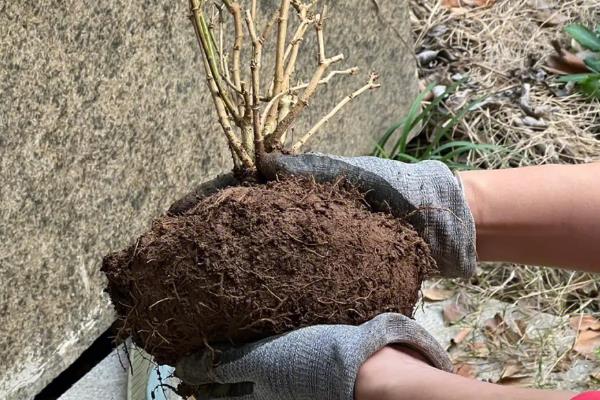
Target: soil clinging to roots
(258,260)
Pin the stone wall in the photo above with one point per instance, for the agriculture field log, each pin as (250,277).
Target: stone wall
(104,121)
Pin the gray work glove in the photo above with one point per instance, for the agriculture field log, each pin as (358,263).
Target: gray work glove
(319,362)
(206,189)
(426,194)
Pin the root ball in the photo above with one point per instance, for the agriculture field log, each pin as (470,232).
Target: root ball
(257,260)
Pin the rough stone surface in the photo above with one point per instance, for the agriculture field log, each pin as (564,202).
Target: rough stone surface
(104,121)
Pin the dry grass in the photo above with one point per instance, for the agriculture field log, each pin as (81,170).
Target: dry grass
(500,49)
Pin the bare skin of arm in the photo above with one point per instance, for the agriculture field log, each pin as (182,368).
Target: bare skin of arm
(400,374)
(546,215)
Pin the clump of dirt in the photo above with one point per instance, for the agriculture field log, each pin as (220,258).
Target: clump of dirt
(258,260)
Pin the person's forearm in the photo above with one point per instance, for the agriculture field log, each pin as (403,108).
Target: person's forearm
(399,374)
(547,215)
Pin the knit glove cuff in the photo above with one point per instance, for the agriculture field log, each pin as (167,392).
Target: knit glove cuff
(318,362)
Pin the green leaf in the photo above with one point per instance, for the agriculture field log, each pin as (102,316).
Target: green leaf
(380,152)
(463,145)
(406,158)
(380,146)
(585,37)
(449,125)
(412,120)
(575,78)
(407,124)
(591,87)
(593,64)
(483,148)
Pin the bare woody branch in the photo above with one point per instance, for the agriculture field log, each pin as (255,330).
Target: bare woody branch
(239,100)
(232,139)
(255,71)
(247,128)
(206,41)
(284,12)
(372,84)
(324,81)
(236,11)
(274,140)
(291,53)
(253,10)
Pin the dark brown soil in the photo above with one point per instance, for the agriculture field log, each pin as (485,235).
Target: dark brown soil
(253,261)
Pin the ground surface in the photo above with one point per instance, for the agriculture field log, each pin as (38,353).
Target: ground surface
(501,52)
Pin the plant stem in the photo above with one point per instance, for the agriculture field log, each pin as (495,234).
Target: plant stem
(204,35)
(278,79)
(232,139)
(255,71)
(274,140)
(204,41)
(324,81)
(236,11)
(370,85)
(294,46)
(247,140)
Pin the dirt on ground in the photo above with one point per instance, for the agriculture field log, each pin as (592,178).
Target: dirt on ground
(257,260)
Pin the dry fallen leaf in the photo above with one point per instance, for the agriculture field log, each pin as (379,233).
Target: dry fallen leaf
(479,349)
(462,335)
(453,313)
(495,324)
(546,15)
(436,294)
(514,374)
(565,62)
(467,3)
(584,323)
(427,56)
(521,327)
(587,342)
(465,370)
(535,123)
(519,381)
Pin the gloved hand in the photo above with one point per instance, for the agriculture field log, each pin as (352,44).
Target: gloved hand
(426,194)
(206,189)
(317,362)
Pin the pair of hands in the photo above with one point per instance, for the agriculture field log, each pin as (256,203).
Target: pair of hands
(322,362)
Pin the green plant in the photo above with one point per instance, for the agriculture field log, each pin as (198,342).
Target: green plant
(589,82)
(433,129)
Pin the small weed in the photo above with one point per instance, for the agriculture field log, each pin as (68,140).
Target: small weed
(432,128)
(589,82)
